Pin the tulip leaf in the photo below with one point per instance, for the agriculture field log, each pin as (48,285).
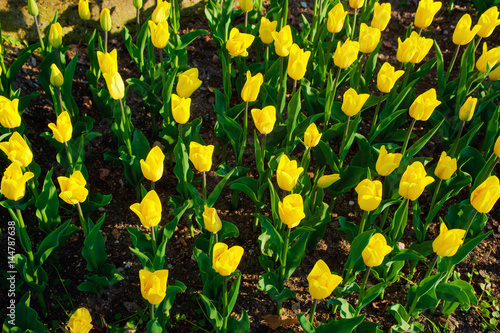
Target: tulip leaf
(466,139)
(154,326)
(357,246)
(306,325)
(269,283)
(399,221)
(346,309)
(386,122)
(212,198)
(350,229)
(418,226)
(371,64)
(345,325)
(189,37)
(295,255)
(247,185)
(388,271)
(417,292)
(349,178)
(325,156)
(402,317)
(439,67)
(417,146)
(241,325)
(143,247)
(372,293)
(271,243)
(93,247)
(485,172)
(214,316)
(182,169)
(16,66)
(172,291)
(53,241)
(228,230)
(233,294)
(47,205)
(453,293)
(293,111)
(26,318)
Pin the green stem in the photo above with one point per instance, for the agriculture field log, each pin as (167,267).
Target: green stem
(70,159)
(359,70)
(105,42)
(42,46)
(344,140)
(408,135)
(294,87)
(152,311)
(363,222)
(455,144)
(362,291)
(284,14)
(153,185)
(58,58)
(375,116)
(224,299)
(304,158)
(266,58)
(415,300)
(127,130)
(448,72)
(469,223)
(333,97)
(59,97)
(245,133)
(284,255)
(408,71)
(354,23)
(83,222)
(22,228)
(434,196)
(313,311)
(204,187)
(153,239)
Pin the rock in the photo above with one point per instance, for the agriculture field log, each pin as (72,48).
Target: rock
(296,307)
(131,306)
(116,234)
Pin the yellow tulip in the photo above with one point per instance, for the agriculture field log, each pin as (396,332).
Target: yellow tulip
(448,241)
(17,150)
(321,281)
(181,109)
(406,49)
(55,35)
(356,4)
(62,129)
(251,88)
(238,43)
(266,30)
(264,119)
(423,46)
(463,33)
(336,18)
(312,136)
(152,167)
(188,82)
(467,110)
(381,16)
(369,38)
(148,210)
(488,22)
(9,114)
(225,260)
(346,54)
(488,58)
(153,285)
(446,167)
(73,188)
(211,219)
(83,10)
(13,184)
(387,162)
(161,12)
(496,149)
(374,253)
(423,106)
(353,102)
(56,77)
(387,77)
(115,85)
(369,194)
(425,13)
(327,180)
(105,19)
(159,34)
(414,181)
(108,62)
(484,197)
(283,41)
(201,156)
(495,74)
(297,62)
(287,173)
(291,210)
(246,5)
(80,321)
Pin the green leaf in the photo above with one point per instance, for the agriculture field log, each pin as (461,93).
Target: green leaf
(239,326)
(93,247)
(358,245)
(233,294)
(25,318)
(154,326)
(172,291)
(372,293)
(293,110)
(346,325)
(213,315)
(295,255)
(270,283)
(271,243)
(47,205)
(53,241)
(346,309)
(417,146)
(218,189)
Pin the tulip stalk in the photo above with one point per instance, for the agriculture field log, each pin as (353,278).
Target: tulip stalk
(70,159)
(448,72)
(344,138)
(429,271)
(375,116)
(224,300)
(354,23)
(333,96)
(59,97)
(362,291)
(363,222)
(407,139)
(469,223)
(82,219)
(204,187)
(408,69)
(455,144)
(42,46)
(58,59)
(434,196)
(313,311)
(283,266)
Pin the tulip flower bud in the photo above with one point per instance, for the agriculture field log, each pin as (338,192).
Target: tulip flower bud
(387,163)
(287,173)
(291,210)
(346,54)
(321,281)
(80,321)
(467,110)
(201,156)
(55,35)
(374,253)
(264,119)
(423,46)
(463,33)
(9,114)
(17,150)
(484,197)
(423,106)
(381,16)
(446,167)
(246,5)
(211,220)
(336,18)
(63,128)
(238,43)
(56,77)
(251,88)
(448,241)
(152,167)
(225,260)
(369,194)
(137,4)
(188,82)
(297,62)
(266,30)
(13,184)
(488,22)
(105,19)
(108,62)
(181,108)
(115,85)
(496,149)
(153,285)
(488,58)
(84,10)
(73,188)
(327,180)
(352,102)
(161,12)
(414,181)
(312,136)
(425,12)
(387,77)
(283,41)
(148,210)
(32,8)
(368,38)
(159,34)
(406,49)
(356,4)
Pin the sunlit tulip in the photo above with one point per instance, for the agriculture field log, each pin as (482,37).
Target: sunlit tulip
(345,54)
(55,35)
(287,173)
(374,253)
(62,129)
(246,5)
(73,188)
(80,321)
(496,148)
(495,74)
(369,194)
(488,22)
(238,43)
(467,110)
(312,136)
(9,113)
(423,46)
(484,197)
(153,285)
(159,34)
(446,167)
(297,62)
(463,33)
(17,150)
(188,82)
(56,77)
(13,184)
(387,162)
(425,13)
(291,210)
(108,62)
(105,19)
(225,260)
(336,18)
(356,4)
(353,102)
(211,219)
(283,41)
(32,8)
(369,38)
(115,85)
(264,119)
(148,210)
(423,106)
(251,88)
(387,77)
(414,181)
(201,156)
(488,58)
(448,241)
(266,29)
(181,109)
(327,180)
(321,281)
(152,167)
(161,12)
(406,49)
(83,10)
(381,16)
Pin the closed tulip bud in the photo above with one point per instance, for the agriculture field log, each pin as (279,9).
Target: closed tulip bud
(423,46)
(448,241)
(137,4)
(387,162)
(287,173)
(312,136)
(495,74)
(105,19)
(297,62)
(161,12)
(283,41)
(381,16)
(159,34)
(56,77)
(115,85)
(423,106)
(374,253)
(369,194)
(238,43)
(17,150)
(496,149)
(467,110)
(211,220)
(406,49)
(425,13)
(153,285)
(149,210)
(251,88)
(80,321)
(201,156)
(484,197)
(414,181)
(55,35)
(387,77)
(321,281)
(9,114)
(327,180)
(152,167)
(266,30)
(84,10)
(108,62)
(346,54)
(446,167)
(63,128)
(225,260)
(353,102)
(291,210)
(368,38)
(463,33)
(336,18)
(488,58)
(246,5)
(32,8)
(488,22)
(264,119)
(181,109)
(73,188)
(356,4)
(188,82)
(13,184)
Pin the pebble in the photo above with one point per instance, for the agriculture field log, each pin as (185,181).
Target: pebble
(127,265)
(303,4)
(351,202)
(296,307)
